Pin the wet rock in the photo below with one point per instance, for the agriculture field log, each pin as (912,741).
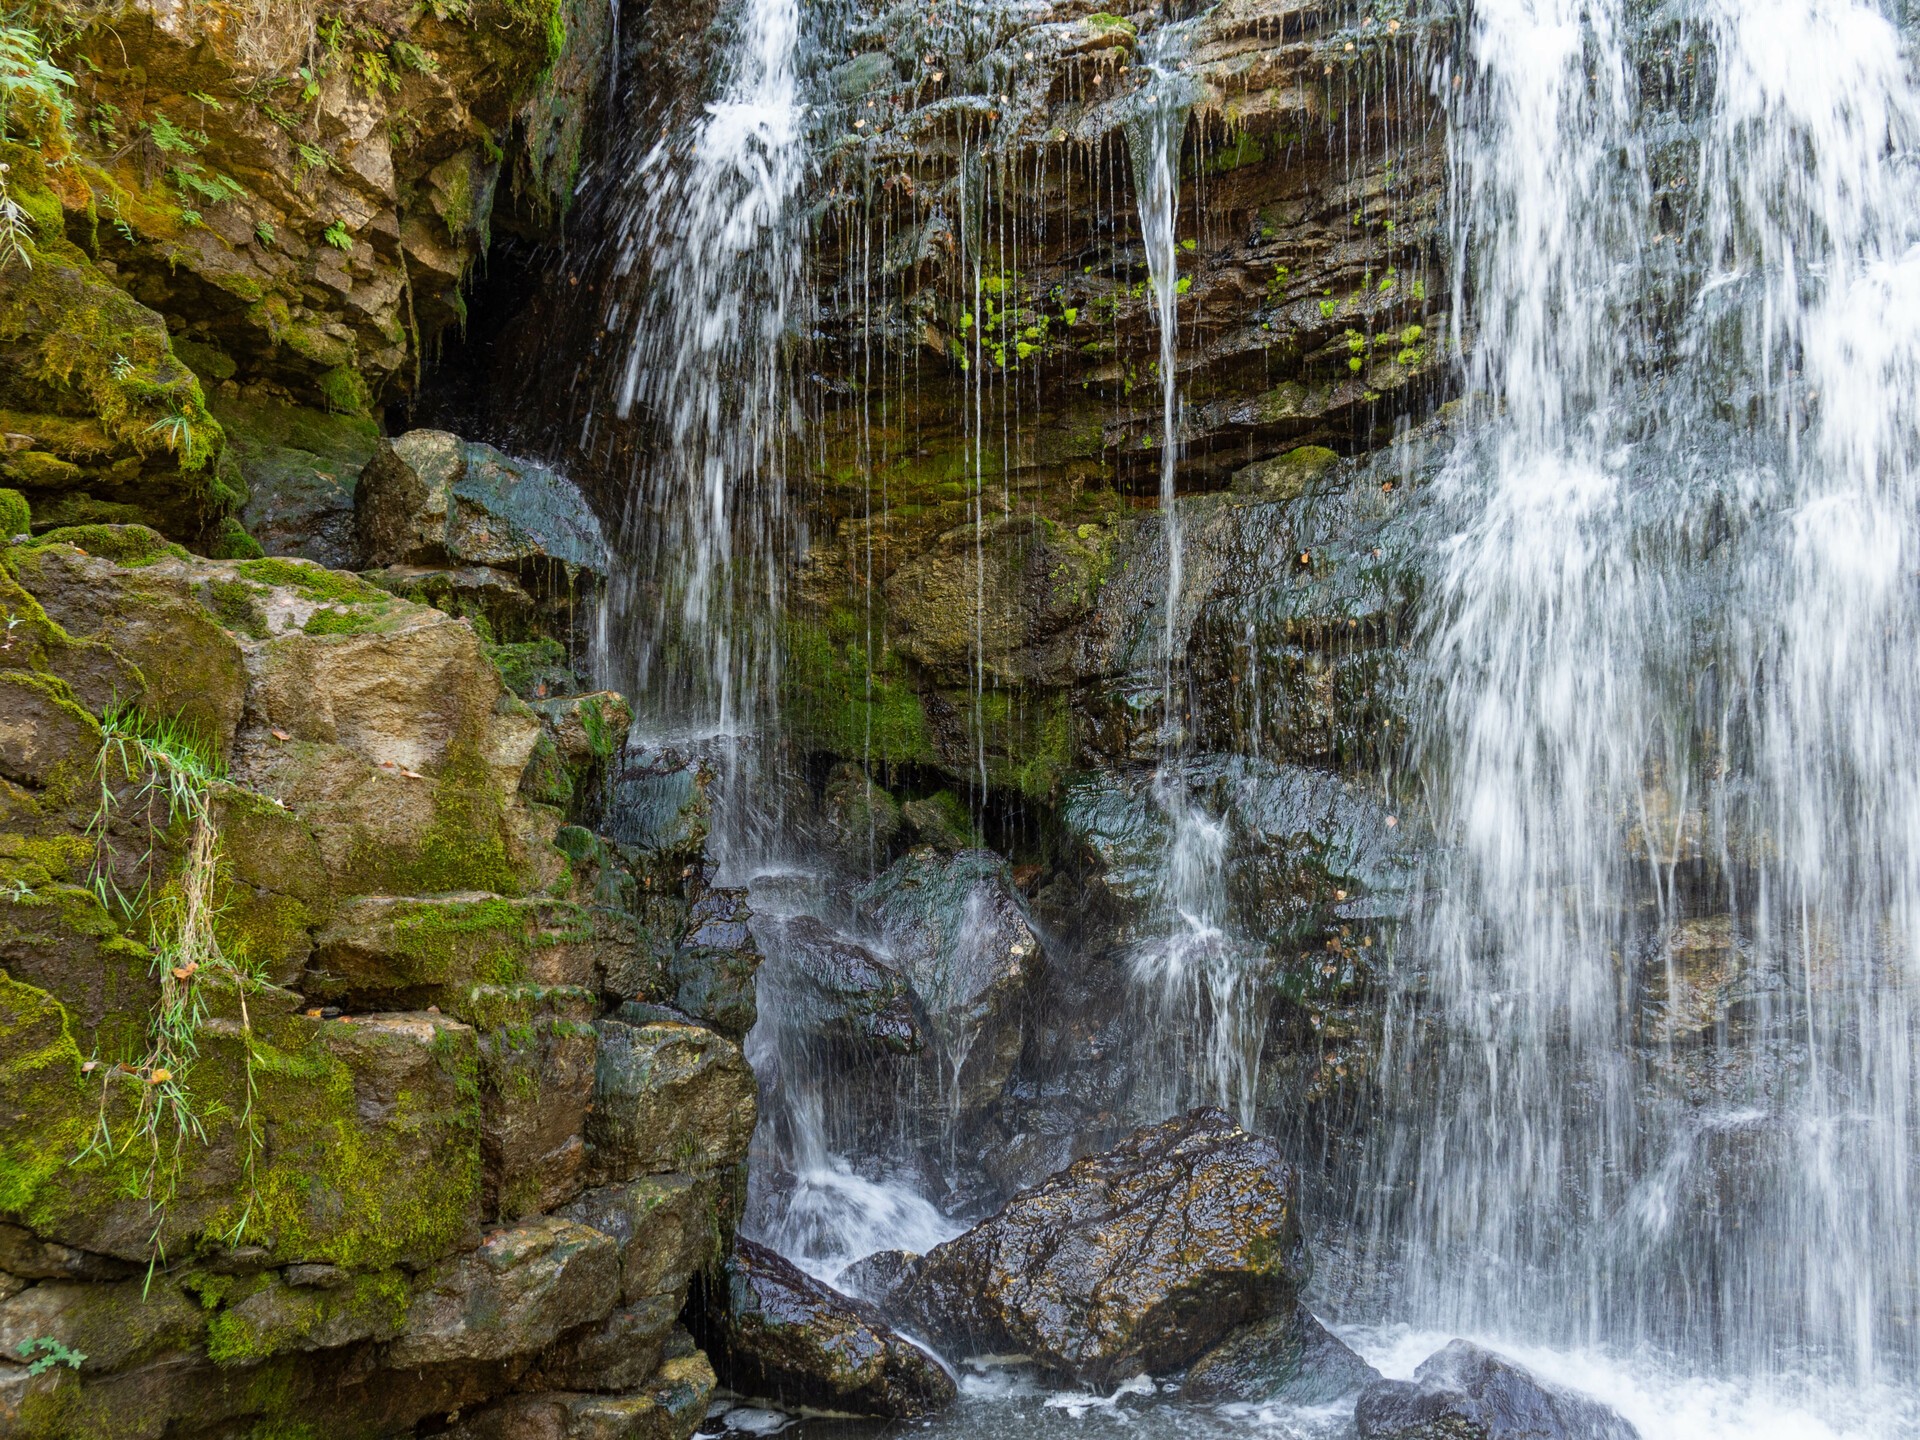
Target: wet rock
(669,1406)
(831,988)
(876,1278)
(862,820)
(1137,1259)
(1291,1358)
(777,1333)
(1466,1393)
(666,1227)
(618,1353)
(957,928)
(514,1295)
(667,1098)
(712,970)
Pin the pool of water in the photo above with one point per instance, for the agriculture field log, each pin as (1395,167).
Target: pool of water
(1008,1402)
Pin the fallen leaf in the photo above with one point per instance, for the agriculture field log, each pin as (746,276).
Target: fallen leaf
(160,1076)
(1339,894)
(281,735)
(184,972)
(89,1067)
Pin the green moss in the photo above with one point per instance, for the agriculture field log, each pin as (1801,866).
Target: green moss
(335,1188)
(232,542)
(313,581)
(837,699)
(15,517)
(345,391)
(1105,23)
(128,545)
(41,1078)
(235,605)
(288,1319)
(526,667)
(546,778)
(345,622)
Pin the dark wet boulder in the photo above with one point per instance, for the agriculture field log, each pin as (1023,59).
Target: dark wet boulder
(1466,1393)
(1291,1357)
(775,1332)
(958,930)
(876,1278)
(834,989)
(1138,1259)
(711,973)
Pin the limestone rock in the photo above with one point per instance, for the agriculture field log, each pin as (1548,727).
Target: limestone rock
(668,1097)
(514,1295)
(537,1049)
(1137,1259)
(1466,1392)
(666,1227)
(778,1333)
(437,949)
(1291,1358)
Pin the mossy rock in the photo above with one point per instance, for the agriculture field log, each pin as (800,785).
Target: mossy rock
(368,1131)
(15,516)
(130,546)
(438,949)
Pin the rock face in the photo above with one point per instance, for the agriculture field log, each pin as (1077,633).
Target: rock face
(425,1170)
(1290,1358)
(295,202)
(959,933)
(775,1332)
(1466,1393)
(1137,1259)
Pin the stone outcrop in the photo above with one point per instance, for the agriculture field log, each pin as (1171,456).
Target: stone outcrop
(404,1132)
(774,1332)
(1468,1392)
(1138,1259)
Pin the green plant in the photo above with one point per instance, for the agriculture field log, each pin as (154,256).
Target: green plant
(263,232)
(336,235)
(51,1353)
(173,773)
(29,81)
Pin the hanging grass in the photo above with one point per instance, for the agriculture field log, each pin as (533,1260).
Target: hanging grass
(173,773)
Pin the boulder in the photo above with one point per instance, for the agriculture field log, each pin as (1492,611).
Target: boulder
(665,1227)
(668,1098)
(957,928)
(1466,1393)
(670,1406)
(516,1293)
(831,988)
(710,976)
(430,498)
(1135,1260)
(537,1049)
(1291,1358)
(775,1332)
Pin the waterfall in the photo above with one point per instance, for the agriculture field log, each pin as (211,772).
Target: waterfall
(1203,1026)
(1654,1032)
(711,228)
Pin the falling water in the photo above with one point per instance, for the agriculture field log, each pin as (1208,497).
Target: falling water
(712,230)
(1196,977)
(1656,1041)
